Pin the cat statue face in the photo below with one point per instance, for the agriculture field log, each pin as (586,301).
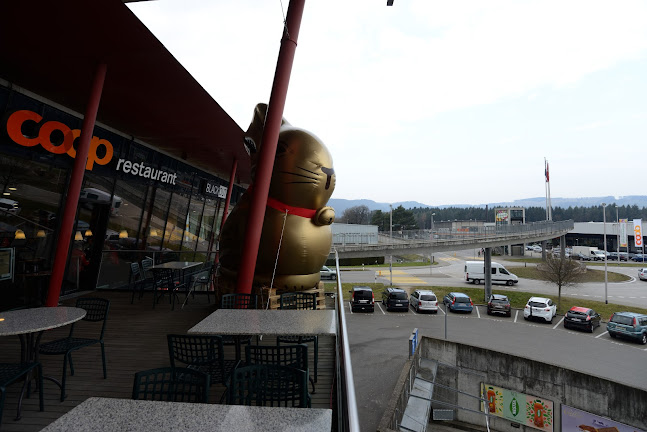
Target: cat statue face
(296,232)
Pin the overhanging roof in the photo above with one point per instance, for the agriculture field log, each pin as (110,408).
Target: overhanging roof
(52,48)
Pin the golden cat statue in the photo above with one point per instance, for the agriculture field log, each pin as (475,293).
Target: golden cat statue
(296,217)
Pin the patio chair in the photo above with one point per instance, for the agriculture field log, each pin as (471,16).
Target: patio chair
(269,385)
(12,372)
(171,384)
(203,353)
(147,273)
(300,300)
(165,283)
(137,280)
(238,301)
(97,311)
(295,356)
(202,278)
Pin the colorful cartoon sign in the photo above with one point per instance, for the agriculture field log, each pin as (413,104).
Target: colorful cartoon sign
(518,407)
(575,420)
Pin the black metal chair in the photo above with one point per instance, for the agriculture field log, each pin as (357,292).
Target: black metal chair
(300,300)
(147,273)
(201,277)
(137,280)
(165,283)
(295,356)
(268,385)
(238,301)
(172,384)
(12,372)
(97,311)
(203,353)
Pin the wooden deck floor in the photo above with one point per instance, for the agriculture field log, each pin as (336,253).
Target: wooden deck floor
(135,340)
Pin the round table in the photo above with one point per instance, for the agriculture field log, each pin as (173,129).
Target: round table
(29,325)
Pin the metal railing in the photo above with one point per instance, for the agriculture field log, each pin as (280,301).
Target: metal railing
(347,416)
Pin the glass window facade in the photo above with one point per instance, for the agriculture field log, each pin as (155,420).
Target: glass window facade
(135,203)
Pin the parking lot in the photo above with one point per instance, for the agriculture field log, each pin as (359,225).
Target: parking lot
(379,344)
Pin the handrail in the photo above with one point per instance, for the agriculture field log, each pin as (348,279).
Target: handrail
(347,416)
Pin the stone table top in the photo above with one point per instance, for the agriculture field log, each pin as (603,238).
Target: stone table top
(104,414)
(177,265)
(267,322)
(33,320)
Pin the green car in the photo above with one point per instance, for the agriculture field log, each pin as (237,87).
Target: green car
(628,324)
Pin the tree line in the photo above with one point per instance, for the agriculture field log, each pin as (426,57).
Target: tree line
(420,218)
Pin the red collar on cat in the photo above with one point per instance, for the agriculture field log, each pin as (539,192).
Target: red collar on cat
(297,211)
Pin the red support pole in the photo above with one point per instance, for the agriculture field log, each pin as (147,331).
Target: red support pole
(74,188)
(232,176)
(268,146)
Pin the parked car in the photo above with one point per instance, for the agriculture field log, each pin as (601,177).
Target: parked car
(541,308)
(424,300)
(581,256)
(536,248)
(362,297)
(458,302)
(642,274)
(395,298)
(628,324)
(499,303)
(10,206)
(639,257)
(327,273)
(581,317)
(613,256)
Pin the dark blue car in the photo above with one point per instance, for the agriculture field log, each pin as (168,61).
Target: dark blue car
(458,302)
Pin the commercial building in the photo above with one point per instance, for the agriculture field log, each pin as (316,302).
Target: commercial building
(163,156)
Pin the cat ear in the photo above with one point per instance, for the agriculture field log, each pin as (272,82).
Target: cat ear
(254,133)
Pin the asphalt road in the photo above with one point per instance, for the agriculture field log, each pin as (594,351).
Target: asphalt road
(379,343)
(450,272)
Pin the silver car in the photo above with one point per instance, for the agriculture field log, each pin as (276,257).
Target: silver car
(424,300)
(642,274)
(327,273)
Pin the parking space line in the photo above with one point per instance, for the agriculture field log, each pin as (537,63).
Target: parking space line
(516,314)
(441,309)
(412,310)
(477,311)
(350,308)
(378,305)
(602,334)
(557,325)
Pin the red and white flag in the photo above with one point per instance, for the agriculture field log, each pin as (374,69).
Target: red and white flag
(546,172)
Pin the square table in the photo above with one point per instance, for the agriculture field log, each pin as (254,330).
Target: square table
(245,322)
(105,414)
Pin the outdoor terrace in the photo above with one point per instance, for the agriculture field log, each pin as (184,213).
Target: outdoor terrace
(135,340)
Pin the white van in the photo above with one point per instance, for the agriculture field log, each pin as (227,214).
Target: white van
(475,273)
(9,206)
(93,195)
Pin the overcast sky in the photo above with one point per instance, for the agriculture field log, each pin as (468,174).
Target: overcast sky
(438,101)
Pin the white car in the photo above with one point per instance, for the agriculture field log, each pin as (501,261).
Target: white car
(540,307)
(9,206)
(536,248)
(642,274)
(424,300)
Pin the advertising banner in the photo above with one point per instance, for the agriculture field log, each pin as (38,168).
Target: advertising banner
(575,420)
(501,215)
(638,232)
(521,408)
(623,232)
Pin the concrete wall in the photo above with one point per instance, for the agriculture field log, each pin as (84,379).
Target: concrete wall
(562,386)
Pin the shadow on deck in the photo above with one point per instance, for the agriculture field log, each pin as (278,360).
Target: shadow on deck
(135,340)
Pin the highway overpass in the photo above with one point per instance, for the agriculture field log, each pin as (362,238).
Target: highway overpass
(423,242)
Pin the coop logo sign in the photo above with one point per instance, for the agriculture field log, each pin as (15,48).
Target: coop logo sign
(638,232)
(44,138)
(98,146)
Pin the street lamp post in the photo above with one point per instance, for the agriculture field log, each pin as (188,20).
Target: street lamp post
(604,219)
(431,255)
(391,237)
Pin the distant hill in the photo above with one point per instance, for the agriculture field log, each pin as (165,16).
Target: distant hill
(639,200)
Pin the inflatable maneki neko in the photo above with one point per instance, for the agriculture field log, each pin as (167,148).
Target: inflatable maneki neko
(296,235)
